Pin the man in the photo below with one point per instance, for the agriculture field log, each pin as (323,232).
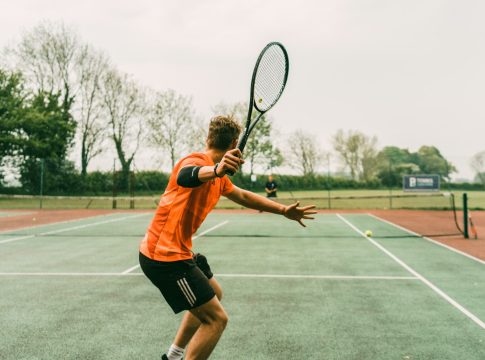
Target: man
(186,281)
(271,187)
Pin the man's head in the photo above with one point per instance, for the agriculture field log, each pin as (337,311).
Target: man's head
(223,133)
(270,178)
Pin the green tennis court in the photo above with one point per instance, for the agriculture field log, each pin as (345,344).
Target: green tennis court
(73,290)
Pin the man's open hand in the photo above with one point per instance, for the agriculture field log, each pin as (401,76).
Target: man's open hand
(293,212)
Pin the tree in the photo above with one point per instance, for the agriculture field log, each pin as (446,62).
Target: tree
(46,132)
(198,134)
(54,60)
(358,152)
(430,161)
(172,125)
(47,57)
(91,68)
(259,147)
(304,152)
(12,99)
(478,166)
(124,102)
(275,159)
(393,163)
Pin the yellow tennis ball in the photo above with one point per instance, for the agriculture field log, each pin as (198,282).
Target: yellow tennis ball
(33,219)
(260,100)
(368,233)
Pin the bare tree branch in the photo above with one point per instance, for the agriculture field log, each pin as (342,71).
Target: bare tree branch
(358,152)
(304,152)
(171,123)
(477,164)
(124,102)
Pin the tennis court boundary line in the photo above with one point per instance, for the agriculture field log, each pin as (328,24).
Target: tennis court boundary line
(262,276)
(127,271)
(427,238)
(70,228)
(433,287)
(14,214)
(55,223)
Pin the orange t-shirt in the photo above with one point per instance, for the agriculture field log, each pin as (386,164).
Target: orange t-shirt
(181,211)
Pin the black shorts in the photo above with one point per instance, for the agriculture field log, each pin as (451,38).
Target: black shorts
(183,284)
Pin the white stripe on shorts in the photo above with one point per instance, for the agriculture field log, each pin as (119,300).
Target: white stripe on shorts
(182,283)
(190,290)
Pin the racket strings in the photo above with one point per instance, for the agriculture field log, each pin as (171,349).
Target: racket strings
(270,78)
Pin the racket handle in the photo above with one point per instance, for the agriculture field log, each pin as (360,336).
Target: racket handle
(241,145)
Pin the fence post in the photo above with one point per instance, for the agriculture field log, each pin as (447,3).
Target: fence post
(465,216)
(41,182)
(132,190)
(113,203)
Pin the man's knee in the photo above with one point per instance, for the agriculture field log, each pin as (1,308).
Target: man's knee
(217,318)
(224,320)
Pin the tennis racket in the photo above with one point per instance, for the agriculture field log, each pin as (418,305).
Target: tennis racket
(267,84)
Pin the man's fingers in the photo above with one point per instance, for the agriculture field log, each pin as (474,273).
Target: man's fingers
(301,223)
(231,162)
(231,168)
(308,207)
(235,152)
(295,205)
(310,212)
(308,217)
(234,158)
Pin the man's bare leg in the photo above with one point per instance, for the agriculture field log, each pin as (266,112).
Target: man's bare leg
(191,323)
(213,319)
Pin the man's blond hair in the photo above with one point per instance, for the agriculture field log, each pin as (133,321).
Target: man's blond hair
(223,130)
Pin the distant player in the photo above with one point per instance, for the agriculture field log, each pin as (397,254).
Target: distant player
(186,281)
(271,187)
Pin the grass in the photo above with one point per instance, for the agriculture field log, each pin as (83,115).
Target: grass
(319,198)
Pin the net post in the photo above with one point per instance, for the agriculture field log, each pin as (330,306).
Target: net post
(465,216)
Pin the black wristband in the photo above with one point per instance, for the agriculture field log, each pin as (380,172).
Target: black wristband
(215,171)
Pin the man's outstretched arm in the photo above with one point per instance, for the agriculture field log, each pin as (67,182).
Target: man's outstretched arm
(258,202)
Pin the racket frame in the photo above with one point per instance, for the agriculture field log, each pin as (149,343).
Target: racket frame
(252,103)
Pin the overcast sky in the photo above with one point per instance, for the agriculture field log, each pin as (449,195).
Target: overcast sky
(410,72)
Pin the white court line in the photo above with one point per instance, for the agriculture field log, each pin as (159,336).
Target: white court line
(54,223)
(13,214)
(269,276)
(427,238)
(338,277)
(437,290)
(70,228)
(127,271)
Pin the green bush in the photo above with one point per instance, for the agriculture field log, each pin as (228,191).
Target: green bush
(98,183)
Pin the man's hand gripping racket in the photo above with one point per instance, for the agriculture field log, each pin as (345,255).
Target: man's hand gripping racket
(230,163)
